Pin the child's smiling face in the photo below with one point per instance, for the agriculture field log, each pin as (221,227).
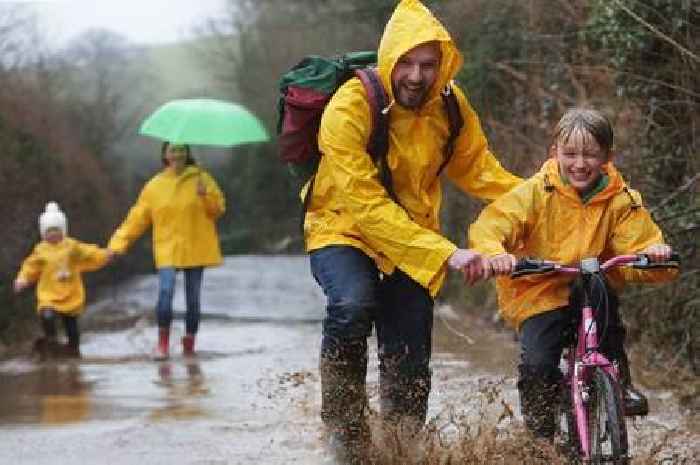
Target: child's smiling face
(53,235)
(580,159)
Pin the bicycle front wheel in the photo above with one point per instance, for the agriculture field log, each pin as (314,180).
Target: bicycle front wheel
(606,422)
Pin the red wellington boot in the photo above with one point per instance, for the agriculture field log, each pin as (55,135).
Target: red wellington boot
(163,347)
(188,345)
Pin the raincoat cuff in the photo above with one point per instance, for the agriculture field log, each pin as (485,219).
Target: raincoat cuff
(211,204)
(117,245)
(488,250)
(491,251)
(425,264)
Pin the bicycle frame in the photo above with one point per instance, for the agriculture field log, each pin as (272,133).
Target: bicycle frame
(585,356)
(592,381)
(582,361)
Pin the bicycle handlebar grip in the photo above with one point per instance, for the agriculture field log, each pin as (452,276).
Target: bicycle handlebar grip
(527,266)
(643,263)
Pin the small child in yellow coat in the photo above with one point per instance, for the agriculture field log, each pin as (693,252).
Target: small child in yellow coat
(56,265)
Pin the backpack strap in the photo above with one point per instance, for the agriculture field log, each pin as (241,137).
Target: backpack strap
(633,202)
(455,122)
(378,145)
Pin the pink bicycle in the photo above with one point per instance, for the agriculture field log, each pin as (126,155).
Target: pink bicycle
(591,416)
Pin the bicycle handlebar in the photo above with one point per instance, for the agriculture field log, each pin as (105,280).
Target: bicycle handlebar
(531,266)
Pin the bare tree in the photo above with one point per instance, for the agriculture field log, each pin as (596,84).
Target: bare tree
(18,32)
(99,83)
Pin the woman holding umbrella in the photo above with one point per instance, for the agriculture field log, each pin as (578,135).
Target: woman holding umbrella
(181,203)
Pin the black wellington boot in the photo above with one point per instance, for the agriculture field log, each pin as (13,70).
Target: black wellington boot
(404,394)
(539,397)
(344,408)
(635,403)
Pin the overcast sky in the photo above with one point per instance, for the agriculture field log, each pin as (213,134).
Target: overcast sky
(141,21)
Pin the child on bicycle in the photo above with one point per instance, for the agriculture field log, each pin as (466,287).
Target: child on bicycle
(576,206)
(56,265)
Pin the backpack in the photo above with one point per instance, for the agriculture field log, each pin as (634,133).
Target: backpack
(306,89)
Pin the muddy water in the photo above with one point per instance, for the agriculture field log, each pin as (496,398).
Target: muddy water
(252,394)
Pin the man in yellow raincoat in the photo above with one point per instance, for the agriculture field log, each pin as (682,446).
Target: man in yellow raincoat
(379,262)
(577,206)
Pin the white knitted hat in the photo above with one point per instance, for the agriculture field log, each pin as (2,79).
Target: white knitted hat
(52,217)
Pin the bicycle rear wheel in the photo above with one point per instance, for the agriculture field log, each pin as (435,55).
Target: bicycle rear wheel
(606,422)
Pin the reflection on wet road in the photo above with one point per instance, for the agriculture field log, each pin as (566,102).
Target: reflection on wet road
(250,397)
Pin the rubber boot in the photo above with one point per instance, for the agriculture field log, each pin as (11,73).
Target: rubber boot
(539,397)
(344,407)
(45,348)
(404,392)
(163,347)
(48,347)
(188,345)
(634,402)
(72,351)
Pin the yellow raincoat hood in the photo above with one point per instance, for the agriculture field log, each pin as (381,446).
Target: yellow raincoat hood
(57,269)
(349,206)
(545,218)
(184,223)
(412,24)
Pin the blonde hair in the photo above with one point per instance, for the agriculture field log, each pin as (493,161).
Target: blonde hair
(588,121)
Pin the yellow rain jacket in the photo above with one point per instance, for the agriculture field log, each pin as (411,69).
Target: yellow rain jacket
(57,269)
(545,218)
(184,223)
(350,207)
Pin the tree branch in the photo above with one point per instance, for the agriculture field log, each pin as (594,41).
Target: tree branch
(675,193)
(641,20)
(522,77)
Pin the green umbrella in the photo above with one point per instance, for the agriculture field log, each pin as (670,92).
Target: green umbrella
(204,122)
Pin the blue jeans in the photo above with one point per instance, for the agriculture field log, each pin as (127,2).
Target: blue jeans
(193,288)
(358,297)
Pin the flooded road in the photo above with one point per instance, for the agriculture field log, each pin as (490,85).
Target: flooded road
(252,394)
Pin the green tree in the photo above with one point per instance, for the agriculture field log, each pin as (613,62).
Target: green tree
(651,50)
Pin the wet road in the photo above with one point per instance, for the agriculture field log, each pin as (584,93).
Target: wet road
(252,394)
